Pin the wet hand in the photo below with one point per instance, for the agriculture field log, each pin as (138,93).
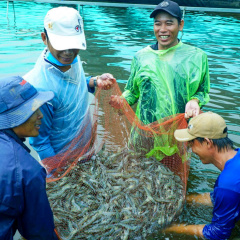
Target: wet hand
(192,108)
(116,101)
(106,81)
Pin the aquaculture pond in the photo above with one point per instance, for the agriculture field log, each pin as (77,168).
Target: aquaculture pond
(113,36)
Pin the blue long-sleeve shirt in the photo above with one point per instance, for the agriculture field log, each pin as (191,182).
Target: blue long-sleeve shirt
(226,201)
(24,204)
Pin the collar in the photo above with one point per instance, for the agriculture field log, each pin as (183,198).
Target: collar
(50,58)
(13,135)
(155,46)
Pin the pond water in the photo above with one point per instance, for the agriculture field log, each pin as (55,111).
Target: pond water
(113,36)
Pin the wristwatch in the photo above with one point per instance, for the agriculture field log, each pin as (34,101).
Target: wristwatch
(95,81)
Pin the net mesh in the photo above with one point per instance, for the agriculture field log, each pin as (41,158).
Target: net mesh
(89,185)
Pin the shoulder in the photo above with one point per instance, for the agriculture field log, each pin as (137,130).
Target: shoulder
(13,155)
(144,50)
(7,146)
(192,49)
(18,169)
(230,177)
(144,54)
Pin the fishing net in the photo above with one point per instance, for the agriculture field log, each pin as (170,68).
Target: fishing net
(127,181)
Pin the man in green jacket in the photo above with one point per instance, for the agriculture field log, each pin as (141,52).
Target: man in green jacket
(168,77)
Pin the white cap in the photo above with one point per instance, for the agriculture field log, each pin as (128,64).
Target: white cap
(64,28)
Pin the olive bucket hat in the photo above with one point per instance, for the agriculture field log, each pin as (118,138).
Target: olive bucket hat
(18,101)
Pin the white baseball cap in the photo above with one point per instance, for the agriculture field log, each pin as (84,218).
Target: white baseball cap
(64,28)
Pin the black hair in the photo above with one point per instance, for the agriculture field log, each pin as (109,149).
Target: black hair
(221,143)
(179,20)
(45,31)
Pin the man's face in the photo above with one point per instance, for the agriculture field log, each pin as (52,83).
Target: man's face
(66,56)
(202,150)
(166,28)
(31,127)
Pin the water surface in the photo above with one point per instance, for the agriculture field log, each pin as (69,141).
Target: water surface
(113,36)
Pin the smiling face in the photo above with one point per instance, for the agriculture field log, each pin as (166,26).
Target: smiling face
(65,57)
(166,28)
(204,150)
(31,127)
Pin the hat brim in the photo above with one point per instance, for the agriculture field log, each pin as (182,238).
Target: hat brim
(61,43)
(22,113)
(155,12)
(182,135)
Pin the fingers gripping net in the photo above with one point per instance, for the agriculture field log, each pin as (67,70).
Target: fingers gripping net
(114,148)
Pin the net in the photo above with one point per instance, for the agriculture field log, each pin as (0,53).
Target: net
(128,180)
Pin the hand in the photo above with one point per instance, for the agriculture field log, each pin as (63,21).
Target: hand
(106,81)
(116,101)
(192,108)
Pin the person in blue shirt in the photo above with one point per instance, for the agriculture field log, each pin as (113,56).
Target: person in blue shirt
(59,69)
(24,204)
(208,137)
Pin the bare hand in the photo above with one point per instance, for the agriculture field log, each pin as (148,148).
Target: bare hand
(106,81)
(116,102)
(192,108)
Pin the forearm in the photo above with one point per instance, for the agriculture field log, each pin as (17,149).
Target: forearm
(194,230)
(130,97)
(199,198)
(36,204)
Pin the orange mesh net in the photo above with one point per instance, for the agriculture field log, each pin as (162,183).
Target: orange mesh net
(112,132)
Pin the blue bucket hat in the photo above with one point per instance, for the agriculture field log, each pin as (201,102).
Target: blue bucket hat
(18,101)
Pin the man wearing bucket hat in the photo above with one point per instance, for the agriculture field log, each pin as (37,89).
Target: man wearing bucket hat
(207,136)
(24,202)
(168,77)
(60,70)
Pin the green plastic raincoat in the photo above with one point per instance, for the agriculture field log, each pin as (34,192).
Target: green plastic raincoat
(163,81)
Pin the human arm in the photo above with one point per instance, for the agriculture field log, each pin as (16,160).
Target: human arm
(36,220)
(105,81)
(194,230)
(22,180)
(131,91)
(201,96)
(226,213)
(203,198)
(42,144)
